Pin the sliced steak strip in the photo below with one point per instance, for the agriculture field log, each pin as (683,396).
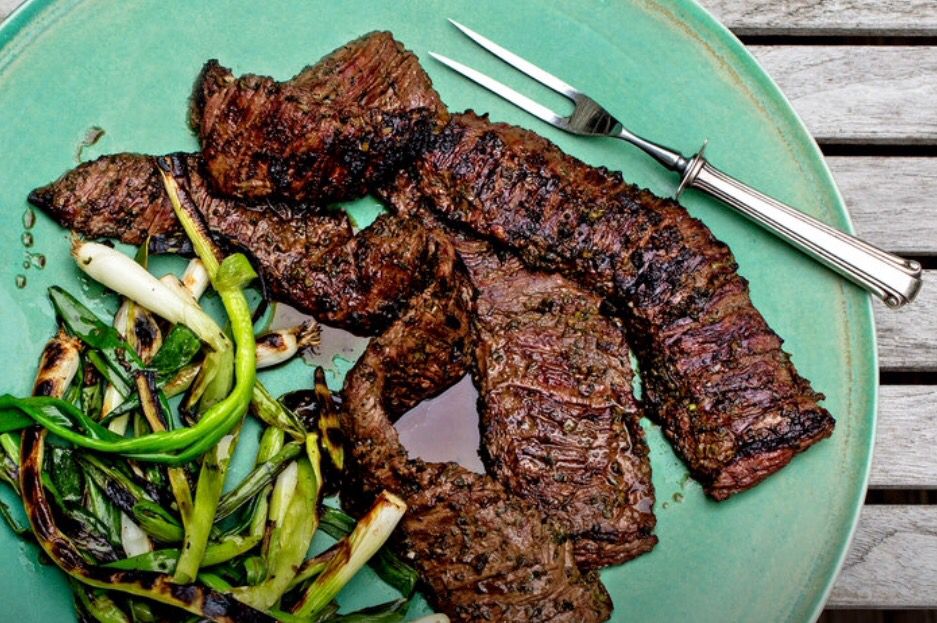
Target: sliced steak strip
(262,138)
(559,420)
(373,71)
(727,395)
(312,261)
(484,554)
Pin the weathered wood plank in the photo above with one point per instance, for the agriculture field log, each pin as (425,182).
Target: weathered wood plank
(859,94)
(891,200)
(908,18)
(904,456)
(7,6)
(907,337)
(892,562)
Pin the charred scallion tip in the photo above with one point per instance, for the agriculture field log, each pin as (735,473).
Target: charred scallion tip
(371,532)
(276,347)
(388,566)
(58,365)
(196,279)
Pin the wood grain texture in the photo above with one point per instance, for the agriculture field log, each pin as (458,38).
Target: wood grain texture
(7,6)
(827,17)
(892,562)
(907,337)
(859,94)
(904,456)
(891,200)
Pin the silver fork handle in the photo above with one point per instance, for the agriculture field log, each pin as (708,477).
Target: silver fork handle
(891,278)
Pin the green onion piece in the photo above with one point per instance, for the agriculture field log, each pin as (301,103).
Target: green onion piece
(390,612)
(157,522)
(255,482)
(294,525)
(98,605)
(388,566)
(354,551)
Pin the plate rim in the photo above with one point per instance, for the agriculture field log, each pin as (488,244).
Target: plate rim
(864,312)
(29,12)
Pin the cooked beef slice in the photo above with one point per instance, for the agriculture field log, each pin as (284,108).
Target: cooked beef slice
(715,375)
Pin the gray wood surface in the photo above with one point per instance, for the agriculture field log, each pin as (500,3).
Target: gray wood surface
(892,562)
(882,95)
(827,17)
(859,94)
(891,200)
(905,456)
(907,337)
(7,6)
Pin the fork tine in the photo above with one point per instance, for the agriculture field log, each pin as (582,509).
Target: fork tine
(521,101)
(512,59)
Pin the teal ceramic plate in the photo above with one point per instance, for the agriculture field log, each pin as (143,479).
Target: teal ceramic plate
(665,66)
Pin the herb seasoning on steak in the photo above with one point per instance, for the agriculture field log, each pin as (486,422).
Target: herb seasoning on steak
(484,554)
(312,260)
(559,420)
(715,376)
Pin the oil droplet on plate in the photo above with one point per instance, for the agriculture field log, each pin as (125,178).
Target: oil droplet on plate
(21,281)
(38,260)
(665,506)
(677,497)
(29,218)
(27,239)
(27,264)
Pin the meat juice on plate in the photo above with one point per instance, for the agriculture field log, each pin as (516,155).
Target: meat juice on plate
(444,428)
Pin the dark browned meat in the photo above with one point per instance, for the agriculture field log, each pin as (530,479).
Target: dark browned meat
(484,554)
(715,375)
(373,71)
(313,261)
(560,424)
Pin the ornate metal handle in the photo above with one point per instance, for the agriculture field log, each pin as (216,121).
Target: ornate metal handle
(893,279)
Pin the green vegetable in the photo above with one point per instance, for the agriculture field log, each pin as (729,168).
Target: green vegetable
(207,494)
(294,524)
(353,552)
(180,346)
(390,612)
(255,482)
(98,605)
(157,522)
(388,566)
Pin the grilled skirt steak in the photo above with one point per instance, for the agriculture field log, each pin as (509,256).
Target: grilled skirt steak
(373,71)
(484,554)
(559,420)
(715,376)
(313,261)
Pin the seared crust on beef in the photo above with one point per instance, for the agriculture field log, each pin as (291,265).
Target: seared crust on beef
(313,261)
(262,138)
(727,396)
(373,71)
(485,554)
(559,420)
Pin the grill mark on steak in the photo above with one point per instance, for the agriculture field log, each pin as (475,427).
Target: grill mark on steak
(485,554)
(727,395)
(313,261)
(262,138)
(373,71)
(559,420)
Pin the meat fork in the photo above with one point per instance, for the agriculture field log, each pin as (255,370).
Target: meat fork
(893,279)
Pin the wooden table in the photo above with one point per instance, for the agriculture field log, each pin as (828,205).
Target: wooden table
(863,75)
